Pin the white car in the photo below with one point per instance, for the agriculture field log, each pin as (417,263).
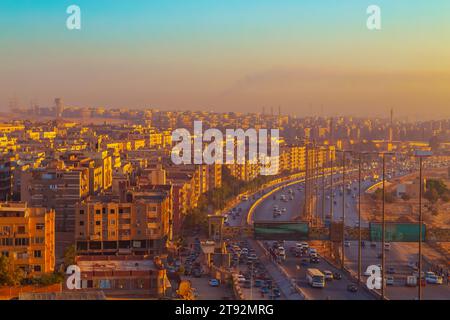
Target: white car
(434,279)
(241,278)
(312,251)
(390,280)
(283,209)
(328,275)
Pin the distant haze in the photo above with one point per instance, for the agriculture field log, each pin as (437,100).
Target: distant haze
(309,57)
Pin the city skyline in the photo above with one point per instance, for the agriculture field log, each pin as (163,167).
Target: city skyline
(308,58)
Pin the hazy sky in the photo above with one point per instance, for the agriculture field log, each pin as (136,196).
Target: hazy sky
(307,56)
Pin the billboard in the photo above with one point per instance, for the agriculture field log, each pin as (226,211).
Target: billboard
(397,232)
(290,231)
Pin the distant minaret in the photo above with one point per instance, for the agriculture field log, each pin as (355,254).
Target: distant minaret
(279,116)
(13,104)
(391,126)
(59,107)
(331,131)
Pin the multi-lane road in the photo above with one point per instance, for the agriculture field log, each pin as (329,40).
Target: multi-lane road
(397,257)
(335,289)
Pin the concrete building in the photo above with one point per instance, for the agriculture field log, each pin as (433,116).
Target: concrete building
(56,187)
(123,275)
(27,237)
(140,226)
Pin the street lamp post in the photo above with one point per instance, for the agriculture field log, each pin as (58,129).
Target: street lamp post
(343,211)
(323,191)
(331,188)
(383,227)
(420,229)
(420,155)
(359,221)
(344,152)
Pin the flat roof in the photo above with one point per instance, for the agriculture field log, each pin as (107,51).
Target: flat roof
(116,265)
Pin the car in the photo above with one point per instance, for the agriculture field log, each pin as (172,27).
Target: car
(390,280)
(387,246)
(265,290)
(259,283)
(275,293)
(313,255)
(304,262)
(283,209)
(312,250)
(328,274)
(412,265)
(314,260)
(214,282)
(197,273)
(352,287)
(337,276)
(252,256)
(347,243)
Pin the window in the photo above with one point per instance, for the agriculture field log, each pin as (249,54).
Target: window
(81,211)
(37,268)
(21,241)
(97,211)
(21,229)
(81,223)
(113,222)
(112,211)
(39,240)
(37,253)
(40,226)
(5,253)
(103,210)
(97,223)
(5,242)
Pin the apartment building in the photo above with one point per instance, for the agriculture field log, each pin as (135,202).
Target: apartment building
(5,180)
(139,226)
(56,187)
(27,237)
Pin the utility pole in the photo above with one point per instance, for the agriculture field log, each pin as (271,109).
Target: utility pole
(343,211)
(359,221)
(421,155)
(383,227)
(323,189)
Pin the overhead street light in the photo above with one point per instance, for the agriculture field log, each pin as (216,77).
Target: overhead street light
(421,154)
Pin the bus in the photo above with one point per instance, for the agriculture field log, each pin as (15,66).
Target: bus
(315,278)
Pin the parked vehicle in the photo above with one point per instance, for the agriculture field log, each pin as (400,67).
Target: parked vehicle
(214,282)
(352,287)
(411,281)
(390,280)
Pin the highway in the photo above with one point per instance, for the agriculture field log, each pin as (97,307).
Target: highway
(397,257)
(334,290)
